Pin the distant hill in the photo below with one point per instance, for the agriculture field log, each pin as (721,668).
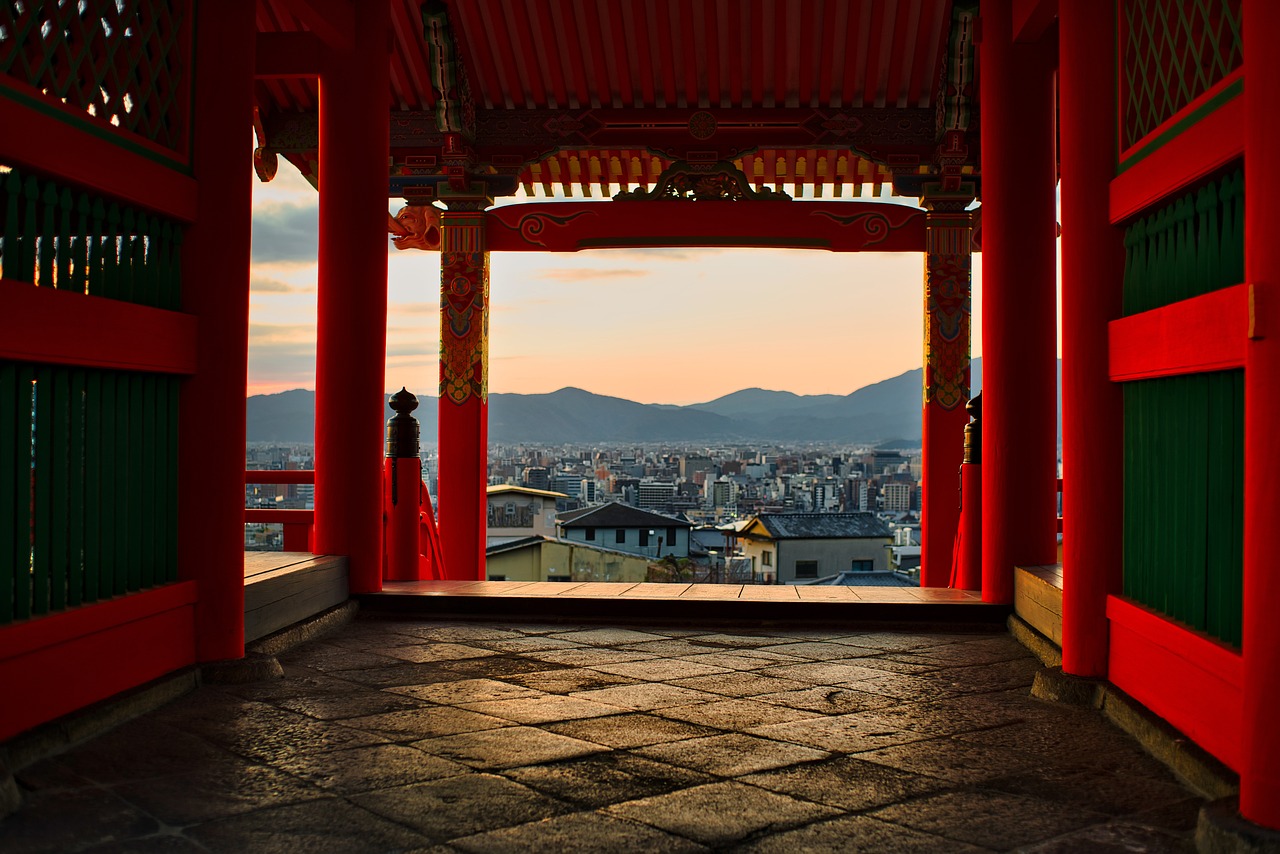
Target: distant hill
(887,411)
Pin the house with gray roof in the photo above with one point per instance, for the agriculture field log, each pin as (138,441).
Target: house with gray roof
(626,528)
(799,548)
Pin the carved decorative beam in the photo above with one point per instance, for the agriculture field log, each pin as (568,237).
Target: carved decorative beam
(696,182)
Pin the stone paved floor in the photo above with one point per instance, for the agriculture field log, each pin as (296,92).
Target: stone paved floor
(426,736)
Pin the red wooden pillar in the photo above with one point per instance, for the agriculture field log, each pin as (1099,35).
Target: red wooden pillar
(1260,776)
(351,327)
(1092,286)
(948,303)
(215,288)
(464,389)
(1019,269)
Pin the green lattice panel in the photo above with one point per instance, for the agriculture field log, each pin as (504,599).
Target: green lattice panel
(123,61)
(1174,51)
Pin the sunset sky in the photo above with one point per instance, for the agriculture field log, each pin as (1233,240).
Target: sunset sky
(657,325)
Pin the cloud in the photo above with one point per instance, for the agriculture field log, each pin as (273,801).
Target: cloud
(286,233)
(660,253)
(569,274)
(266,285)
(413,308)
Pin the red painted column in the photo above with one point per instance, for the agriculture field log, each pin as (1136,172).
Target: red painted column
(215,288)
(1260,778)
(1019,269)
(1092,287)
(351,327)
(464,389)
(948,303)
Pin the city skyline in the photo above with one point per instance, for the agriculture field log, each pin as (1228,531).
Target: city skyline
(672,326)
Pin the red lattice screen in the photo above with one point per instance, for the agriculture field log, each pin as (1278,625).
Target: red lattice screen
(1173,51)
(123,61)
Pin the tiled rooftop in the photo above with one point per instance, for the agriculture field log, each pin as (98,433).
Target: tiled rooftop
(412,735)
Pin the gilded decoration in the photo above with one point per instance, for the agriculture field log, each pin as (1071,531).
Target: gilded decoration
(948,308)
(714,182)
(415,227)
(464,310)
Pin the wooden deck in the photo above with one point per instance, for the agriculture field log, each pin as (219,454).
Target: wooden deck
(282,588)
(701,602)
(1037,598)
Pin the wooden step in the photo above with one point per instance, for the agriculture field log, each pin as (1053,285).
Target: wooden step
(1037,598)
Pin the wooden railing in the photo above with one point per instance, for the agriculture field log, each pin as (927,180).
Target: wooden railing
(299,525)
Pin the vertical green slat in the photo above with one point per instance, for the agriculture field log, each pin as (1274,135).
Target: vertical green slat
(63,249)
(127,280)
(1198,493)
(1233,599)
(121,462)
(137,504)
(171,506)
(155,285)
(161,497)
(97,276)
(146,515)
(142,292)
(80,246)
(60,521)
(27,245)
(76,481)
(43,491)
(23,506)
(111,285)
(11,475)
(1218,506)
(94,428)
(107,475)
(48,216)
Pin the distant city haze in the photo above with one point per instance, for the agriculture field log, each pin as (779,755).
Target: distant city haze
(674,326)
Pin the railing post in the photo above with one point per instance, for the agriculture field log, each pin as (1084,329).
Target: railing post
(968,574)
(402,480)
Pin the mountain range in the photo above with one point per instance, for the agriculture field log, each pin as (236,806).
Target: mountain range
(887,411)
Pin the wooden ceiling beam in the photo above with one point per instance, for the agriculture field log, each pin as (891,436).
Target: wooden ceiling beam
(333,21)
(898,61)
(544,42)
(410,42)
(645,73)
(525,51)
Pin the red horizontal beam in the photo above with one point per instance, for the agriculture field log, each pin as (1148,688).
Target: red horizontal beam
(1197,335)
(835,226)
(1032,19)
(51,666)
(280,476)
(68,144)
(1208,144)
(47,326)
(334,21)
(272,516)
(288,55)
(1190,680)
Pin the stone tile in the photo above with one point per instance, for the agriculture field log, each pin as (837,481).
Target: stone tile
(298,681)
(1181,817)
(50,774)
(425,722)
(997,676)
(660,669)
(988,819)
(422,653)
(905,687)
(670,647)
(569,680)
(351,705)
(205,792)
(1082,743)
(65,821)
(1099,791)
(737,640)
(362,769)
(508,747)
(590,656)
(403,674)
(812,650)
(856,833)
(739,684)
(828,701)
(647,695)
(887,642)
(823,673)
(730,755)
(327,657)
(720,813)
(463,633)
(140,750)
(950,759)
(461,806)
(160,843)
(1116,838)
(631,730)
(495,667)
(607,778)
(837,733)
(538,643)
(468,691)
(577,834)
(742,659)
(735,714)
(328,826)
(846,782)
(608,637)
(549,708)
(270,735)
